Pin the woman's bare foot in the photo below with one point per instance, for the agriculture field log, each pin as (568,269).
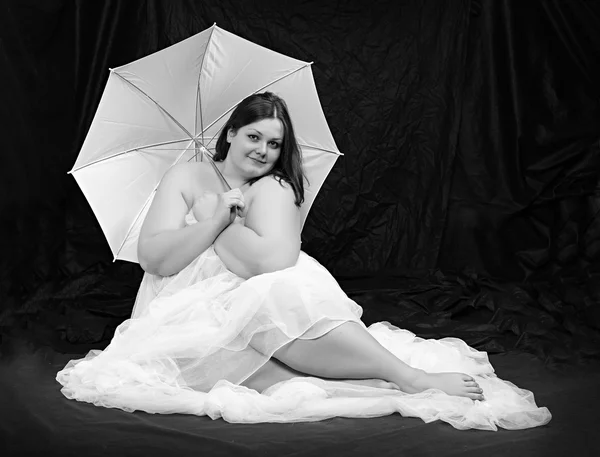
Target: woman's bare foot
(458,384)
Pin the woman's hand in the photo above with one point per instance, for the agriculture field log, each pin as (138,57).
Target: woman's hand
(229,205)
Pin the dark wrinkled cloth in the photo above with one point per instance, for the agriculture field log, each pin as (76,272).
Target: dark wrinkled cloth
(468,190)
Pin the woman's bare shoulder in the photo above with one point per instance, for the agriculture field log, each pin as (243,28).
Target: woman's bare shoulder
(273,213)
(270,184)
(183,178)
(268,189)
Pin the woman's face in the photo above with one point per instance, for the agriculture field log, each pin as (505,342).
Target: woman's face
(255,148)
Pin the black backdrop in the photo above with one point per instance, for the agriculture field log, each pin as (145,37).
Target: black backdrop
(467,202)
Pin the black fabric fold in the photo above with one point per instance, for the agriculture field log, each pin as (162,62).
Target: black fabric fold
(466,202)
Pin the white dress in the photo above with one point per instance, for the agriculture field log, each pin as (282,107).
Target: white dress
(196,336)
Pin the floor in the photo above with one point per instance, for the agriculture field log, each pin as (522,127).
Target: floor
(36,419)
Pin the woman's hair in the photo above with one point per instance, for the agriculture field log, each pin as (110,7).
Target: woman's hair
(255,108)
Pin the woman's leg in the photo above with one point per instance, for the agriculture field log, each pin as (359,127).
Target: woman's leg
(275,371)
(350,352)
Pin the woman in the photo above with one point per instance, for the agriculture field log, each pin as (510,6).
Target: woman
(230,307)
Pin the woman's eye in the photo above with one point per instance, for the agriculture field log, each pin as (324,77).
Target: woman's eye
(274,144)
(253,137)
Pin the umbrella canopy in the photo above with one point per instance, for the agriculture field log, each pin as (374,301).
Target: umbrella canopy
(166,107)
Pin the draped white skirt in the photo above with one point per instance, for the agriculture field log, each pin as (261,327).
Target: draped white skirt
(194,337)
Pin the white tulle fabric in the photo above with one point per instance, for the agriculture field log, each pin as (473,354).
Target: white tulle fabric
(196,336)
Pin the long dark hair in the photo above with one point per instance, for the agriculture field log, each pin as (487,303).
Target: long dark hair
(255,108)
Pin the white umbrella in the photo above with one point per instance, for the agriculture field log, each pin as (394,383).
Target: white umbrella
(162,109)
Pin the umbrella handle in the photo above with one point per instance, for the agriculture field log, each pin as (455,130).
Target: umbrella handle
(205,152)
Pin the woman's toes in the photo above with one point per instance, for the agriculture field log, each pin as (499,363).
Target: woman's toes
(475,396)
(475,393)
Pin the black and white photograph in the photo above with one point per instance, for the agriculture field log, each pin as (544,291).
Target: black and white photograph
(300,228)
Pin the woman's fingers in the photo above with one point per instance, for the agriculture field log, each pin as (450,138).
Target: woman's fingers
(235,193)
(234,201)
(235,197)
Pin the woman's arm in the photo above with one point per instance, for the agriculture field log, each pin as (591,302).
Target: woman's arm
(270,239)
(166,245)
